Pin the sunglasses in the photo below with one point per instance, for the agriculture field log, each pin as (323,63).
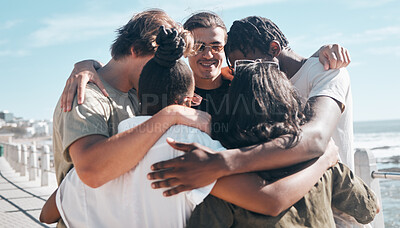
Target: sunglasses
(194,101)
(200,47)
(248,61)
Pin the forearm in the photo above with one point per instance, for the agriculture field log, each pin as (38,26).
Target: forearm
(107,158)
(252,193)
(270,155)
(50,213)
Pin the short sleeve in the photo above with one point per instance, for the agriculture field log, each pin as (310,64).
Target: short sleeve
(333,83)
(352,196)
(89,118)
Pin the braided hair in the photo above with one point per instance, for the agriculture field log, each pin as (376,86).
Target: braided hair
(252,33)
(166,79)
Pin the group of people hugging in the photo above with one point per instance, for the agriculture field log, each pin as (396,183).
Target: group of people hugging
(149,141)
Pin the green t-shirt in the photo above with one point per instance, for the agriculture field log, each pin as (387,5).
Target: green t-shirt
(98,115)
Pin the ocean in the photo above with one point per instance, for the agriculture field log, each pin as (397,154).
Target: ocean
(383,139)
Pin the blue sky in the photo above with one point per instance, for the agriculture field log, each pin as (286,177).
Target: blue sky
(41,40)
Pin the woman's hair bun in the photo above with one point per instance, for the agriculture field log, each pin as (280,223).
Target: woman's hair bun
(171,46)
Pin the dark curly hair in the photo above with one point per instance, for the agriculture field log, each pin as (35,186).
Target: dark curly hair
(252,33)
(263,105)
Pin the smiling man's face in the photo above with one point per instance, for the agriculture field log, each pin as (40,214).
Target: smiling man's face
(206,65)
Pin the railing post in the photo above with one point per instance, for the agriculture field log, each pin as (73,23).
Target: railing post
(24,167)
(15,164)
(32,163)
(11,155)
(45,165)
(365,164)
(6,151)
(19,159)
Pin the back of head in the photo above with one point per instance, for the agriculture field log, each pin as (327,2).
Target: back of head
(263,106)
(204,19)
(166,79)
(140,34)
(252,33)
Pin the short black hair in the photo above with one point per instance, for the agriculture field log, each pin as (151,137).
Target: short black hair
(251,33)
(204,19)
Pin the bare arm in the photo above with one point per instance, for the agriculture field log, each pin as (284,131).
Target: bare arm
(83,72)
(252,193)
(50,213)
(98,159)
(206,165)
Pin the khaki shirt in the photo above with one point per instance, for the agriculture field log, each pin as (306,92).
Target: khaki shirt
(338,188)
(98,115)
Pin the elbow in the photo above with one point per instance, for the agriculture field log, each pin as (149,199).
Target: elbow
(275,207)
(271,212)
(46,219)
(317,144)
(42,218)
(90,177)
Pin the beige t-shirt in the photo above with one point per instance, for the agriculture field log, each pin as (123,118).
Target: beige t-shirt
(98,115)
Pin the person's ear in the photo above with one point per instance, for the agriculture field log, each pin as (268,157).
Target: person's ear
(274,48)
(133,53)
(185,102)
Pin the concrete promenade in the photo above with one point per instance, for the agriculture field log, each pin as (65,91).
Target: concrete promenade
(20,199)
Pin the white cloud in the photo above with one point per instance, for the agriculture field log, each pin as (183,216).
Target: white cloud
(85,26)
(3,42)
(183,8)
(367,3)
(73,28)
(382,50)
(13,53)
(9,24)
(362,38)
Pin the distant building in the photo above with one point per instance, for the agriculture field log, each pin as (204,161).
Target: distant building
(30,131)
(2,123)
(6,116)
(41,128)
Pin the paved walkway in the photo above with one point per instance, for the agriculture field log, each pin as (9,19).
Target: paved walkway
(20,199)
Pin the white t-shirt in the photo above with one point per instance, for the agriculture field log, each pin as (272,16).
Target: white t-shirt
(129,200)
(311,81)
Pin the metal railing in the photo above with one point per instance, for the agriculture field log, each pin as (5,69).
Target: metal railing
(386,175)
(29,161)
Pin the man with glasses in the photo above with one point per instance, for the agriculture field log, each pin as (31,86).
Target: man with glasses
(202,167)
(210,36)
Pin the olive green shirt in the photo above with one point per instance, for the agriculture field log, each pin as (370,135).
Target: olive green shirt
(338,188)
(98,115)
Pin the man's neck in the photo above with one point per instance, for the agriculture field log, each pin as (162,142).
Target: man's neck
(120,74)
(290,62)
(208,84)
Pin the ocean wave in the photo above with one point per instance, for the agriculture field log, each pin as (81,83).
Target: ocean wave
(386,144)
